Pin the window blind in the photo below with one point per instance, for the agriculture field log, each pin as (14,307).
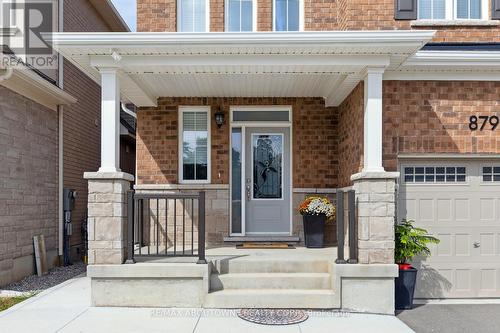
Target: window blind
(195,145)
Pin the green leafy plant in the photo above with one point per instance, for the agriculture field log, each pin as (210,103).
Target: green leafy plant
(411,241)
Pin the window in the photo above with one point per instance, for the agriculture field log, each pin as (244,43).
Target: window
(468,9)
(192,15)
(194,144)
(451,9)
(287,15)
(491,174)
(437,174)
(239,15)
(431,9)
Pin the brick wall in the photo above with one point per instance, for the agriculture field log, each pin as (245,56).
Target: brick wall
(433,117)
(379,15)
(28,182)
(82,131)
(156,15)
(350,135)
(160,15)
(314,141)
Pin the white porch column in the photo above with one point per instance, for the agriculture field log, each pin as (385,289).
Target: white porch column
(110,120)
(373,120)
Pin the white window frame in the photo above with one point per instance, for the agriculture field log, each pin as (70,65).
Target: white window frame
(207,110)
(207,16)
(301,15)
(451,11)
(254,16)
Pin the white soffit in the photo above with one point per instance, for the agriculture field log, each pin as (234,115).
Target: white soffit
(302,64)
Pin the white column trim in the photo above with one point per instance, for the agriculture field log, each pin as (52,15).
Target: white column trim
(110,120)
(373,122)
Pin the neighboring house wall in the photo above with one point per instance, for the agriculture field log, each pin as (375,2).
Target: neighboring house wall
(127,156)
(433,117)
(82,121)
(160,15)
(315,145)
(28,183)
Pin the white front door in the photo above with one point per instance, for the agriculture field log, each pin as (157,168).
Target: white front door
(459,203)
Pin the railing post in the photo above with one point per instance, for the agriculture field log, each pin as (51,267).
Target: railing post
(201,228)
(130,227)
(340,227)
(353,230)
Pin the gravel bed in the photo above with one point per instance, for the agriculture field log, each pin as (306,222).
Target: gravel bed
(35,283)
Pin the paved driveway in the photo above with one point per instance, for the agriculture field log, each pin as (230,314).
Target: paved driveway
(453,318)
(66,308)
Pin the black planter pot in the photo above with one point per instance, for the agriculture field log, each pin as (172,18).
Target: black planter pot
(405,288)
(314,230)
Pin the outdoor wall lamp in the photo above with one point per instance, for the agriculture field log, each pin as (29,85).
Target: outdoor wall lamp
(219,118)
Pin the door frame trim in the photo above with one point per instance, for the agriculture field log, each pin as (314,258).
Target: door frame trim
(252,124)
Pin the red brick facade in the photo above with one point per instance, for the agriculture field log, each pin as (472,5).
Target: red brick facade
(433,117)
(160,15)
(314,140)
(350,135)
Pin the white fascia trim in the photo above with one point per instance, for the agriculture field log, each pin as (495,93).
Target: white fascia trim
(29,84)
(454,58)
(216,39)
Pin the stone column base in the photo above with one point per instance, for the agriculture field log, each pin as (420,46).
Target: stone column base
(107,216)
(376,211)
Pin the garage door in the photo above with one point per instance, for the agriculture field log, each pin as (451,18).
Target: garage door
(459,203)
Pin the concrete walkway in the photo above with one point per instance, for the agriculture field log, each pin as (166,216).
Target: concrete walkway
(66,308)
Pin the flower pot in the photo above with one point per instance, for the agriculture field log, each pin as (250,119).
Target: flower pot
(405,287)
(314,230)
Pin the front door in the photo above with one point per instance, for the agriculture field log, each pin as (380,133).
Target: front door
(267,180)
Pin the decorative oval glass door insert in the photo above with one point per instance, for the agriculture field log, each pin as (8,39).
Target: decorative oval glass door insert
(267,151)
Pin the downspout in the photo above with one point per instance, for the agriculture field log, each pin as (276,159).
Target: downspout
(60,110)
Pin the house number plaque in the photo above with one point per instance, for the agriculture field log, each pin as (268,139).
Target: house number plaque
(483,122)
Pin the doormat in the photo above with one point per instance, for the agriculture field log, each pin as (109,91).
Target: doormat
(265,246)
(273,316)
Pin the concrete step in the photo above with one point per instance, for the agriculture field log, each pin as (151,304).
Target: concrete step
(270,281)
(271,265)
(272,298)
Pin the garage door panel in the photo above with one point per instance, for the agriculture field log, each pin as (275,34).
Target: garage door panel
(487,209)
(462,245)
(465,216)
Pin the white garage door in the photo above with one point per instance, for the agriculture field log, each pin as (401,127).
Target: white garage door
(459,203)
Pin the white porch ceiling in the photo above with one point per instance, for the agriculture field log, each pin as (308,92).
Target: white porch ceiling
(304,64)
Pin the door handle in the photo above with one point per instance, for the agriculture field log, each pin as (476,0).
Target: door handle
(476,245)
(248,192)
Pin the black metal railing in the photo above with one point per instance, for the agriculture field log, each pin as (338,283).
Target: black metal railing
(351,227)
(166,225)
